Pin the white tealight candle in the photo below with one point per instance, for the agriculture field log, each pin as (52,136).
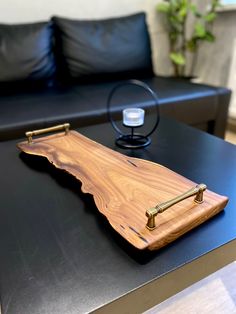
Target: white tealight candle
(133,117)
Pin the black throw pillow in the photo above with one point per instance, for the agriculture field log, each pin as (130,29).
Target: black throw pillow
(102,48)
(26,52)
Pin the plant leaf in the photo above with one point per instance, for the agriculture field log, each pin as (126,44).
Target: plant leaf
(173,36)
(175,24)
(193,8)
(174,4)
(183,12)
(215,4)
(209,37)
(177,58)
(200,30)
(210,17)
(191,45)
(163,7)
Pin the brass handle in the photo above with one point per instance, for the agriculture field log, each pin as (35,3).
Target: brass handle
(152,212)
(60,127)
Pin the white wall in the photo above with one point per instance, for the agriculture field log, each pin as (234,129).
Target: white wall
(232,82)
(30,10)
(215,63)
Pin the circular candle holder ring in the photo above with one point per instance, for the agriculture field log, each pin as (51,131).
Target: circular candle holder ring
(133,140)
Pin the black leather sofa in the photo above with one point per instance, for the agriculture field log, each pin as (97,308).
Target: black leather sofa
(63,71)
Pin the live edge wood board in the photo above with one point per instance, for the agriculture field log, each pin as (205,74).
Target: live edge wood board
(124,188)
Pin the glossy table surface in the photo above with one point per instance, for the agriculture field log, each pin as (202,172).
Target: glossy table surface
(59,255)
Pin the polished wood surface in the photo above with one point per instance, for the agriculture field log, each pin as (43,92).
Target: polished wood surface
(125,187)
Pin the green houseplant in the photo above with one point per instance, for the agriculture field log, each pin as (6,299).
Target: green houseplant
(180,14)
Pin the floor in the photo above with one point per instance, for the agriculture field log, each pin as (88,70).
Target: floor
(230,137)
(215,294)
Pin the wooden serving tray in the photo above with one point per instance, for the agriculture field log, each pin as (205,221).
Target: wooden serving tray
(126,189)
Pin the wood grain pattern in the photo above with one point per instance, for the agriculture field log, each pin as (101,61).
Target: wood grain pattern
(124,188)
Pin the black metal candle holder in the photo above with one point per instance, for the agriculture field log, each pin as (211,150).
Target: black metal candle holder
(133,140)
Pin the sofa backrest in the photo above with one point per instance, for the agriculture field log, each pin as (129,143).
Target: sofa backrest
(77,49)
(26,52)
(112,47)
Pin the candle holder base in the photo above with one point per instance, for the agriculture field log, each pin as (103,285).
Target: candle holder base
(133,141)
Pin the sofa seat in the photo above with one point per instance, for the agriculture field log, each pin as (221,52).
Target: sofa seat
(83,104)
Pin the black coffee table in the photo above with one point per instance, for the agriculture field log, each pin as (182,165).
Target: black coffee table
(59,255)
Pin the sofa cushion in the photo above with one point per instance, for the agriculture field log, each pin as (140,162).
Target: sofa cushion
(26,52)
(112,47)
(82,105)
